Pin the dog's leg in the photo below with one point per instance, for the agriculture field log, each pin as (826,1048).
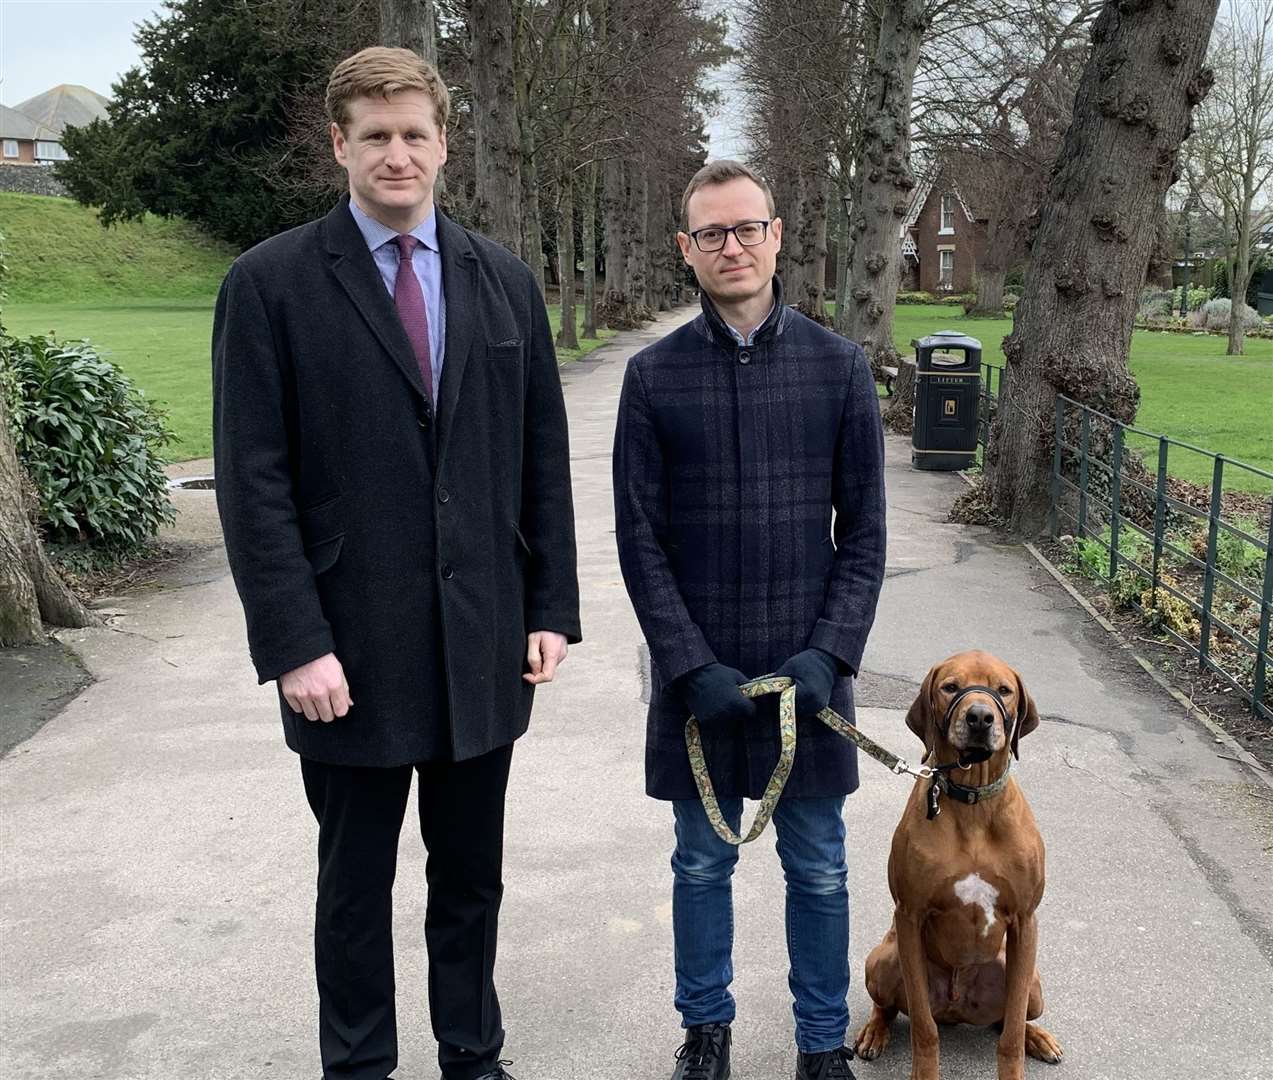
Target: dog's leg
(910,949)
(884,984)
(1040,1044)
(1023,935)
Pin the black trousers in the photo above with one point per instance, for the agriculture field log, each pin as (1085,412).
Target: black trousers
(360,813)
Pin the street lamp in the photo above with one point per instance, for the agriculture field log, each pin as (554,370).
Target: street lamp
(1191,206)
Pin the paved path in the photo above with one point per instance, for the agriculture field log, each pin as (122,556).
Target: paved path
(156,873)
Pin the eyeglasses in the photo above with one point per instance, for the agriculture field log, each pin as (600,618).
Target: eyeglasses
(713,237)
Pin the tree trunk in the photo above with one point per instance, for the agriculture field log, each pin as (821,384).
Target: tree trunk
(990,291)
(566,337)
(899,413)
(635,219)
(841,256)
(497,142)
(532,224)
(590,252)
(1239,278)
(413,24)
(883,181)
(30,589)
(1097,228)
(613,200)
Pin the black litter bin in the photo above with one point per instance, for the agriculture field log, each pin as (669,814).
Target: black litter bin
(947,392)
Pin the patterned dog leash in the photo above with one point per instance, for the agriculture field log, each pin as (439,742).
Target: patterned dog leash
(776,684)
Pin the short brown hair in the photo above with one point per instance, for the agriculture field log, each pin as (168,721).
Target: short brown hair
(379,72)
(721,172)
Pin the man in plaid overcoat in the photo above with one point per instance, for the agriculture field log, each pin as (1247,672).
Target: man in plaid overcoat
(749,501)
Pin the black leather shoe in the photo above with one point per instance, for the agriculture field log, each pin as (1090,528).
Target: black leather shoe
(498,1073)
(705,1054)
(829,1065)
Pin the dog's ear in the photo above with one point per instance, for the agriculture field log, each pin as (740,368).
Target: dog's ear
(920,718)
(1027,715)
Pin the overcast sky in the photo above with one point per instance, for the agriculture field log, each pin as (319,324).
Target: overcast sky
(90,42)
(47,42)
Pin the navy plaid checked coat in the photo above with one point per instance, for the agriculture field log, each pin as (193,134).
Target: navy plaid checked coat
(728,463)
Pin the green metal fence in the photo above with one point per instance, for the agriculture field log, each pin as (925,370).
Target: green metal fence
(1201,571)
(991,384)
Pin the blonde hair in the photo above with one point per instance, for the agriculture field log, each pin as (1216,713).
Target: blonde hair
(379,72)
(721,172)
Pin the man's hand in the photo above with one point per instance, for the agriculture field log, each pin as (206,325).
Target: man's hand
(544,651)
(813,671)
(711,693)
(317,689)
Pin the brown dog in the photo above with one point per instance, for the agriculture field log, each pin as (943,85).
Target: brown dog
(966,874)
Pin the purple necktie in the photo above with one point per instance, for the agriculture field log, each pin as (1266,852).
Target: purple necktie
(409,299)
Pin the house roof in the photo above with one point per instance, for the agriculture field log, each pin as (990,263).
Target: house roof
(920,196)
(64,106)
(16,125)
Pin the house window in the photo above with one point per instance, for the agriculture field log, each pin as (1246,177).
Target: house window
(948,213)
(947,278)
(10,147)
(50,151)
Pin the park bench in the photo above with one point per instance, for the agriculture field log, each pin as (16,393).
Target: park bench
(890,377)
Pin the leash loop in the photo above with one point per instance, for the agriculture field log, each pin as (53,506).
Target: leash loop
(775,684)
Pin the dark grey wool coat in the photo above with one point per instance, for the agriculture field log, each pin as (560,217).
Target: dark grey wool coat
(728,462)
(418,545)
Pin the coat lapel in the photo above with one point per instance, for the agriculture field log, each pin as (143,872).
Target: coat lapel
(358,274)
(459,285)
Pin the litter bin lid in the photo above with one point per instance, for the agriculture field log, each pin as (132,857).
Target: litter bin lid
(948,339)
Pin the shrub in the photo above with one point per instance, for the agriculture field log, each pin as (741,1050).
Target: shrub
(1214,315)
(90,442)
(916,298)
(1010,301)
(1154,303)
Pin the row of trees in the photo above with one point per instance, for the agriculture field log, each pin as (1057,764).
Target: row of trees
(575,124)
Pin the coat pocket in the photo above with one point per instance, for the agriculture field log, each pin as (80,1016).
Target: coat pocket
(323,534)
(505,351)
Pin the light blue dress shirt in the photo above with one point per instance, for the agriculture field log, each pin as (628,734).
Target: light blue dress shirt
(751,338)
(426,261)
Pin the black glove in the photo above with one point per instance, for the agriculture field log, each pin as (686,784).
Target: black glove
(813,671)
(711,693)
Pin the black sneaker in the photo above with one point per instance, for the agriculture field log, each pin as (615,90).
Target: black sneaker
(498,1073)
(705,1054)
(829,1065)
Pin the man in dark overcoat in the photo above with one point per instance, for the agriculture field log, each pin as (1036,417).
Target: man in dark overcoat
(392,473)
(749,501)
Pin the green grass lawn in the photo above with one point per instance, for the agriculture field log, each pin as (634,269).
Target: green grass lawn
(1189,390)
(163,346)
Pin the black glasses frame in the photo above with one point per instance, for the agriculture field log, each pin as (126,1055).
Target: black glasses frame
(764,233)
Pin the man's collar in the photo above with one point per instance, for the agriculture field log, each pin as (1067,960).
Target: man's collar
(376,233)
(727,336)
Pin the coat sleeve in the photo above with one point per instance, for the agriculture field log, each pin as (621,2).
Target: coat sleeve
(859,529)
(547,513)
(285,622)
(676,644)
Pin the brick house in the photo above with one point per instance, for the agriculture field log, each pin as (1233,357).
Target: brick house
(31,131)
(940,240)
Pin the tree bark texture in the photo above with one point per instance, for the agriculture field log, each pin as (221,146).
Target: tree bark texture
(841,257)
(613,199)
(990,281)
(566,336)
(635,224)
(497,141)
(883,180)
(30,589)
(1097,228)
(590,251)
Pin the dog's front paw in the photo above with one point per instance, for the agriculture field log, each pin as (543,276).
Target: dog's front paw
(873,1037)
(1042,1045)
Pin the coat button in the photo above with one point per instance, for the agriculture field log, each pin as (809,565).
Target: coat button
(444,496)
(744,357)
(424,421)
(448,572)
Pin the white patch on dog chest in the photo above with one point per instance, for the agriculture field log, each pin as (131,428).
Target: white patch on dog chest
(973,890)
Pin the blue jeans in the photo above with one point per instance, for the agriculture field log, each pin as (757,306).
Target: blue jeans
(811,847)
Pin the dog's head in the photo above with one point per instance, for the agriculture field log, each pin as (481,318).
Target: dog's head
(947,712)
